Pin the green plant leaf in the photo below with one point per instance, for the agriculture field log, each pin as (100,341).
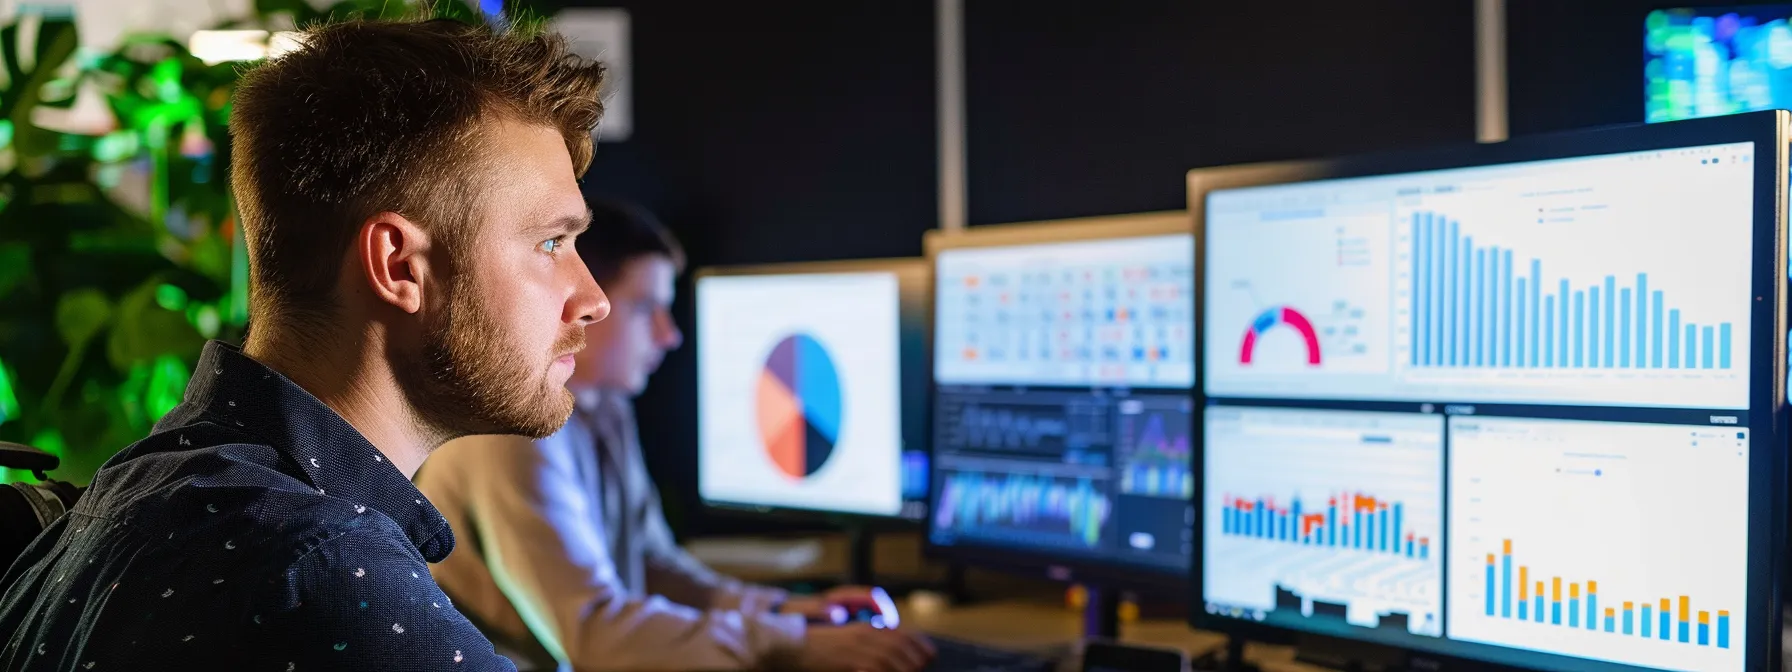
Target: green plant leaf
(80,315)
(9,402)
(145,330)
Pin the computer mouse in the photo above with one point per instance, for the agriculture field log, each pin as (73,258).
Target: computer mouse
(880,612)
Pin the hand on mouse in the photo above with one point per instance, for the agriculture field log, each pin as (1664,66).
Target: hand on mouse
(834,606)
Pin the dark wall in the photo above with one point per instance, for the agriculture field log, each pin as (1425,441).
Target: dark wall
(805,129)
(799,131)
(1094,108)
(1577,64)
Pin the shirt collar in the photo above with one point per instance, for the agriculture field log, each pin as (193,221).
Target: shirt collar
(337,460)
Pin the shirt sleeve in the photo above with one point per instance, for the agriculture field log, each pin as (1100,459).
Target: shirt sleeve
(542,536)
(364,600)
(672,571)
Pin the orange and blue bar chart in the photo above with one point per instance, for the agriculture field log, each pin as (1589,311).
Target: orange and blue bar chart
(1512,594)
(1353,520)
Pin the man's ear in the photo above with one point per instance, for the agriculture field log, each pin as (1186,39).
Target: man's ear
(393,253)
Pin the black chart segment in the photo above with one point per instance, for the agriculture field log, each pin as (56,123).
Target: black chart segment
(1319,519)
(1622,542)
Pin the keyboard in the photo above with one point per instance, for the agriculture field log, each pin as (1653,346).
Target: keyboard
(956,655)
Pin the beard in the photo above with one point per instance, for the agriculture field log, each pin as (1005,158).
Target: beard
(468,379)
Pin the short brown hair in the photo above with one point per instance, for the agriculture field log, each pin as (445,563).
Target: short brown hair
(383,116)
(621,232)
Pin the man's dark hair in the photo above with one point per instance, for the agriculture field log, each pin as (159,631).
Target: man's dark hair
(384,116)
(621,232)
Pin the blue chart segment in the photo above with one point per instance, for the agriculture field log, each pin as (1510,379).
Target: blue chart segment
(1023,507)
(1476,306)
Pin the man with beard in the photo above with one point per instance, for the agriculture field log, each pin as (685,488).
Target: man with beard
(573,565)
(408,193)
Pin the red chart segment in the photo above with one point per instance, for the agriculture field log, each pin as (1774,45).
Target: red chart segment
(1280,315)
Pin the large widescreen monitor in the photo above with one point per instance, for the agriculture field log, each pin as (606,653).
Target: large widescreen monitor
(1516,403)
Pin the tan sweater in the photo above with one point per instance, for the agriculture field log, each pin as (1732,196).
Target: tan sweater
(565,561)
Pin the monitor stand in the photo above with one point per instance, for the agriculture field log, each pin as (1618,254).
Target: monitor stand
(861,554)
(1344,654)
(1101,613)
(861,551)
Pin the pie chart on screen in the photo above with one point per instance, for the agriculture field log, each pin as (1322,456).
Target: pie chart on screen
(799,406)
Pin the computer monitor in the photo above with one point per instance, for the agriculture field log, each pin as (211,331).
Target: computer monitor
(1062,364)
(1710,61)
(1515,403)
(811,389)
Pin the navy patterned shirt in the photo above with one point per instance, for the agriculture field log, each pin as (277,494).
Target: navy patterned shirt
(255,529)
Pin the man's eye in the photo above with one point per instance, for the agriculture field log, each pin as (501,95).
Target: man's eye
(552,245)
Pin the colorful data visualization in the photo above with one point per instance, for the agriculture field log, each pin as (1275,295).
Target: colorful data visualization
(1569,282)
(799,406)
(798,392)
(1621,542)
(1318,515)
(1106,312)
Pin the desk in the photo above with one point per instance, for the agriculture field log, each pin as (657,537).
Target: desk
(1026,625)
(1044,628)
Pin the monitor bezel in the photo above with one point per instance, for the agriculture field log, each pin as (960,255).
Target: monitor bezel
(1767,403)
(1009,559)
(913,281)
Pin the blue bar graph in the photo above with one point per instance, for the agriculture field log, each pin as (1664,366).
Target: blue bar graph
(1692,342)
(1549,331)
(1536,303)
(1592,609)
(1490,584)
(1611,624)
(1573,612)
(1477,327)
(1506,309)
(1705,345)
(1666,628)
(1593,326)
(1506,598)
(1704,634)
(1723,345)
(1630,618)
(1624,328)
(1436,312)
(1723,629)
(1471,309)
(1646,620)
(1642,309)
(1674,338)
(1421,349)
(1580,343)
(1562,332)
(1655,333)
(1611,320)
(1518,345)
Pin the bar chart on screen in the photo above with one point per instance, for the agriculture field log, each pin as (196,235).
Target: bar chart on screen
(1614,541)
(1325,514)
(1540,303)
